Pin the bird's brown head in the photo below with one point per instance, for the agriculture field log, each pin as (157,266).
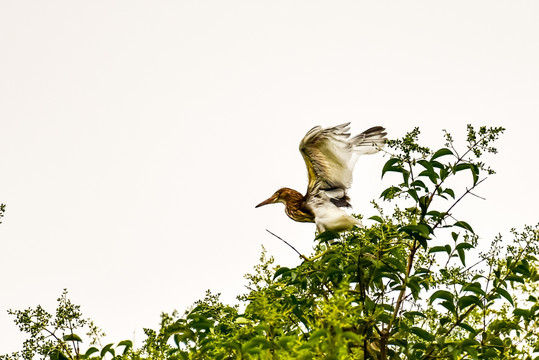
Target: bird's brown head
(281,195)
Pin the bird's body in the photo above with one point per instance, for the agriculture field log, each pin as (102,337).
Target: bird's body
(330,157)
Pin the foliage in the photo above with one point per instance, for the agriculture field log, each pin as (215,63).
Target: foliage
(414,285)
(55,337)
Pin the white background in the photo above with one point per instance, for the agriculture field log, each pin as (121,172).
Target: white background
(136,137)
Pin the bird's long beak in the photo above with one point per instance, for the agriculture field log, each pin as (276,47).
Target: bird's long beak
(271,200)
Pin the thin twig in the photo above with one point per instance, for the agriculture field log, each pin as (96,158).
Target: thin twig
(457,201)
(470,268)
(293,248)
(477,196)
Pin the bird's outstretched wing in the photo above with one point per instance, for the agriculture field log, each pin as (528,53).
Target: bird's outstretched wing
(330,155)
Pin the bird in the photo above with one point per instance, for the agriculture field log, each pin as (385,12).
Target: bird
(330,156)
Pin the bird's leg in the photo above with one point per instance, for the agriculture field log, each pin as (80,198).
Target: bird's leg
(319,227)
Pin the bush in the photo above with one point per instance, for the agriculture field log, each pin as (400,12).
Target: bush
(413,285)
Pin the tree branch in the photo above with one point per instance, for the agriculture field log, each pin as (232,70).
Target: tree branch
(293,248)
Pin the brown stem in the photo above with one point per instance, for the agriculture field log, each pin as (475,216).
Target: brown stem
(400,299)
(383,344)
(293,248)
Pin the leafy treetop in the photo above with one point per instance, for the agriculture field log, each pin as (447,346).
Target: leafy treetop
(401,288)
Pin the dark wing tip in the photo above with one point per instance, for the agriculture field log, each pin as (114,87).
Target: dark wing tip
(375,130)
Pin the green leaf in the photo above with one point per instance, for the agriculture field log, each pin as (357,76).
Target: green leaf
(440,341)
(423,334)
(424,204)
(474,287)
(430,174)
(318,333)
(438,165)
(107,349)
(461,167)
(396,263)
(90,351)
(444,320)
(412,314)
(352,337)
(419,183)
(523,268)
(376,218)
(439,249)
(369,304)
(505,294)
(470,343)
(327,236)
(389,166)
(435,214)
(444,172)
(390,192)
(405,176)
(127,343)
(467,327)
(255,344)
(441,294)
(496,341)
(473,352)
(516,278)
(464,246)
(465,301)
(468,166)
(421,229)
(284,341)
(280,271)
(201,323)
(57,355)
(521,313)
(413,284)
(460,250)
(72,337)
(475,173)
(242,320)
(233,345)
(464,225)
(427,165)
(420,233)
(450,192)
(441,152)
(448,305)
(462,256)
(413,194)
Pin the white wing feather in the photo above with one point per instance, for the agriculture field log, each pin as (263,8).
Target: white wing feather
(330,155)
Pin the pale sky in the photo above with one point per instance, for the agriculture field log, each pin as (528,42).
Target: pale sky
(137,136)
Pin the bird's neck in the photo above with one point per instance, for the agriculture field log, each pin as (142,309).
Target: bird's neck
(295,207)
